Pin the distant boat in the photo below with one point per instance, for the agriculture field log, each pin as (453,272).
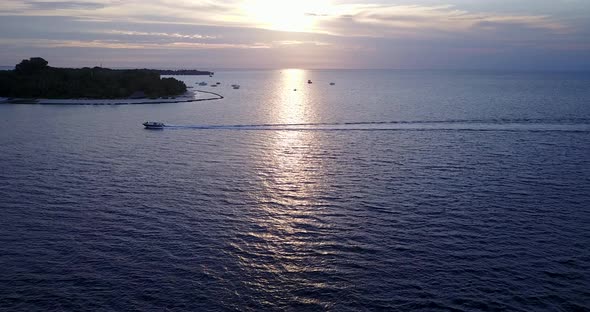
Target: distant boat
(331,83)
(202,83)
(294,89)
(309,81)
(213,85)
(153,125)
(218,83)
(235,86)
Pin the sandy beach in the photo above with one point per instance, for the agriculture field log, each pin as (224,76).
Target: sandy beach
(189,96)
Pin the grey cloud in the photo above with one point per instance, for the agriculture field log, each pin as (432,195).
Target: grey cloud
(67,5)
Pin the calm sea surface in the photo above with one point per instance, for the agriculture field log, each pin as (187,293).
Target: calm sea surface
(391,190)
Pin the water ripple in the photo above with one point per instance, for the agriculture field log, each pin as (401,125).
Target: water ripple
(99,214)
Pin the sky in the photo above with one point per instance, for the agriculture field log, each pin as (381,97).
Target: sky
(356,34)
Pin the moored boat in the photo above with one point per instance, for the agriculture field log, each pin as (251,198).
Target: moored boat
(153,125)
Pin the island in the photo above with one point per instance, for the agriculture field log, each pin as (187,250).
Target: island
(33,78)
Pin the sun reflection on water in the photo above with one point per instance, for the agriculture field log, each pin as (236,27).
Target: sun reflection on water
(290,149)
(289,206)
(292,105)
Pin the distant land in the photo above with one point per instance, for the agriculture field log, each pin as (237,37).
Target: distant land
(171,72)
(33,78)
(181,72)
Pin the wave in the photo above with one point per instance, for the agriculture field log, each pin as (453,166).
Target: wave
(543,125)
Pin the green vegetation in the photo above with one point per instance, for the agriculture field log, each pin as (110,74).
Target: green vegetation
(33,78)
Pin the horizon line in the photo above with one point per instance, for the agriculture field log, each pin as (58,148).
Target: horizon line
(351,69)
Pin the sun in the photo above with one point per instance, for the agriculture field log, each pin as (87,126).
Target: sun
(294,16)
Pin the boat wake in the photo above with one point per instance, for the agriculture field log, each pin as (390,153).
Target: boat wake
(571,125)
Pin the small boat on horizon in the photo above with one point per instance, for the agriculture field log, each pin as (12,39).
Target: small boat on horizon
(153,125)
(331,83)
(202,83)
(309,81)
(235,86)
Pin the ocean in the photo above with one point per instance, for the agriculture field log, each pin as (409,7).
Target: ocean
(389,190)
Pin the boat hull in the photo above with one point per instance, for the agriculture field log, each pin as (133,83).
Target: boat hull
(153,125)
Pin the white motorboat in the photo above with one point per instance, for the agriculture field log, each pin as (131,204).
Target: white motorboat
(153,125)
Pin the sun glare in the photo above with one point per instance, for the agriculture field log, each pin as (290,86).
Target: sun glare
(295,16)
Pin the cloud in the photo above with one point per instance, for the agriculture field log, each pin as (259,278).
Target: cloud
(339,19)
(345,33)
(415,20)
(114,44)
(298,42)
(158,34)
(64,5)
(41,7)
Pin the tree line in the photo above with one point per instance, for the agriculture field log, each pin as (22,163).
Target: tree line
(33,78)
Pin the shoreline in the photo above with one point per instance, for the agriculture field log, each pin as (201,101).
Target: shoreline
(185,98)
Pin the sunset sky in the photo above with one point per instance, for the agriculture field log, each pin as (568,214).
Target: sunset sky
(406,34)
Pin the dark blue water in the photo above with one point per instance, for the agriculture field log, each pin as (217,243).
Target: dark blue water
(392,190)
